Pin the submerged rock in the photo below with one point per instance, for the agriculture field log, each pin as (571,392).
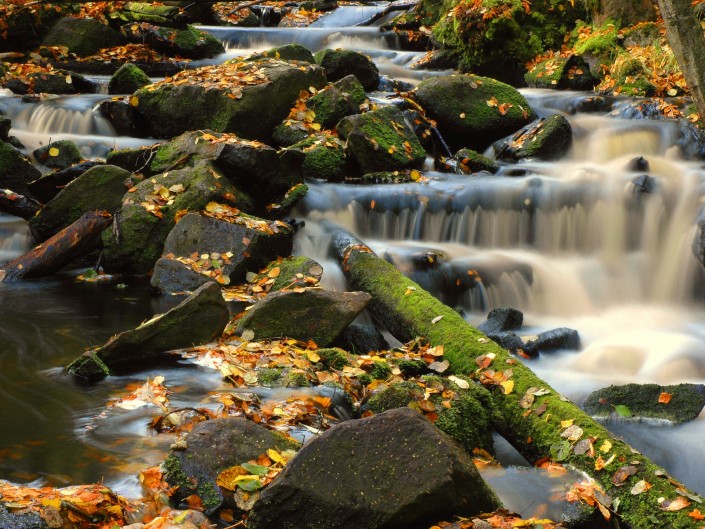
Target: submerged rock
(318,315)
(394,469)
(560,338)
(469,161)
(198,319)
(340,63)
(678,403)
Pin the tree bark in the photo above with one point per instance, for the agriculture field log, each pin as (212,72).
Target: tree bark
(539,426)
(58,251)
(18,205)
(685,36)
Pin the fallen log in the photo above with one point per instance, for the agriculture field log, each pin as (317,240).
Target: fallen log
(18,205)
(540,423)
(58,251)
(394,6)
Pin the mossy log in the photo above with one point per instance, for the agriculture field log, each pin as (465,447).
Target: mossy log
(18,205)
(536,419)
(52,255)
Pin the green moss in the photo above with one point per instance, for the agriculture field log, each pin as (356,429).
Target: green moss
(396,396)
(334,358)
(365,380)
(209,496)
(128,79)
(638,87)
(470,161)
(412,368)
(268,377)
(600,41)
(381,370)
(296,380)
(175,475)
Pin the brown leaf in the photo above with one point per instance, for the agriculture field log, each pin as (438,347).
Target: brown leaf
(621,476)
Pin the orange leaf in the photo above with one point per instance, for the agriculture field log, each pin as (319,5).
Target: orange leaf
(695,514)
(664,398)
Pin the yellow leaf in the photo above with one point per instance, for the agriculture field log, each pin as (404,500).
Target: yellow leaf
(53,151)
(134,101)
(52,502)
(415,175)
(315,126)
(228,478)
(566,424)
(274,272)
(275,456)
(312,356)
(606,446)
(507,386)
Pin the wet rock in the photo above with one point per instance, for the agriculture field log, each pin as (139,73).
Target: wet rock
(288,52)
(198,319)
(287,203)
(58,154)
(513,343)
(394,469)
(21,520)
(469,162)
(120,115)
(382,141)
(390,177)
(638,164)
(83,36)
(444,59)
(341,63)
(16,171)
(134,160)
(319,156)
(643,184)
(560,338)
(502,319)
(25,25)
(161,15)
(292,272)
(49,185)
(191,43)
(182,103)
(127,79)
(5,126)
(546,139)
(235,245)
(562,73)
(362,339)
(334,102)
(148,213)
(318,315)
(211,447)
(678,403)
(590,104)
(458,104)
(100,188)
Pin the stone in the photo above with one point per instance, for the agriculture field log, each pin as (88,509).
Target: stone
(189,42)
(546,139)
(313,314)
(49,185)
(502,319)
(56,81)
(319,156)
(288,52)
(340,63)
(394,469)
(58,154)
(362,339)
(198,319)
(468,162)
(562,73)
(127,79)
(120,115)
(83,36)
(21,520)
(292,272)
(560,338)
(334,102)
(16,171)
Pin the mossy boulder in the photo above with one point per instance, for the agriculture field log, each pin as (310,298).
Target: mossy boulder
(292,272)
(135,160)
(16,171)
(82,36)
(198,319)
(288,52)
(148,214)
(58,154)
(211,447)
(320,156)
(546,139)
(336,101)
(127,79)
(381,140)
(562,73)
(287,203)
(247,98)
(234,245)
(341,63)
(51,184)
(473,111)
(5,122)
(395,469)
(191,43)
(311,314)
(678,403)
(25,24)
(468,161)
(99,188)
(48,81)
(158,14)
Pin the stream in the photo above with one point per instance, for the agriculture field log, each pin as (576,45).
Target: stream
(570,243)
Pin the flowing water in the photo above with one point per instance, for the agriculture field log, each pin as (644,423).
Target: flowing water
(574,243)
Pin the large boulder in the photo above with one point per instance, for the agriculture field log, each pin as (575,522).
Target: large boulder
(33,79)
(83,36)
(59,154)
(311,314)
(562,73)
(394,469)
(149,211)
(212,447)
(473,111)
(99,188)
(127,79)
(381,140)
(247,98)
(190,42)
(336,101)
(320,156)
(340,63)
(198,319)
(16,171)
(233,243)
(678,403)
(546,139)
(502,319)
(159,14)
(49,185)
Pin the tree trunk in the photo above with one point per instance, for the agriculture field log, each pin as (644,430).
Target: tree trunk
(537,420)
(685,36)
(18,205)
(53,254)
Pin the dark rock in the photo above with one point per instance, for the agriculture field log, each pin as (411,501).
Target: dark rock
(333,103)
(394,469)
(561,338)
(240,243)
(390,177)
(638,164)
(134,160)
(443,59)
(546,139)
(48,186)
(120,115)
(83,36)
(458,104)
(198,319)
(362,339)
(5,126)
(58,154)
(643,184)
(128,79)
(318,315)
(98,189)
(513,343)
(319,156)
(341,63)
(292,272)
(288,52)
(24,519)
(16,171)
(191,43)
(588,104)
(168,108)
(469,162)
(502,319)
(642,400)
(382,141)
(211,447)
(562,73)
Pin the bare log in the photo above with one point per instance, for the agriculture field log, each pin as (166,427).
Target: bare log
(537,420)
(58,251)
(18,205)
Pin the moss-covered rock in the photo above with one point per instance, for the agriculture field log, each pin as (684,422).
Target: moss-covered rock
(82,36)
(319,156)
(16,171)
(341,63)
(473,111)
(158,14)
(288,52)
(382,141)
(468,161)
(334,358)
(99,188)
(135,160)
(146,217)
(546,139)
(191,42)
(46,80)
(293,272)
(127,79)
(58,154)
(25,24)
(562,73)
(249,98)
(391,177)
(336,101)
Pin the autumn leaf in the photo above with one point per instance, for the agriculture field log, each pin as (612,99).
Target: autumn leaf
(507,386)
(621,476)
(53,151)
(674,505)
(664,398)
(696,515)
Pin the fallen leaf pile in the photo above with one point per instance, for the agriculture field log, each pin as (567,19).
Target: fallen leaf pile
(129,53)
(207,264)
(152,392)
(260,284)
(160,197)
(500,519)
